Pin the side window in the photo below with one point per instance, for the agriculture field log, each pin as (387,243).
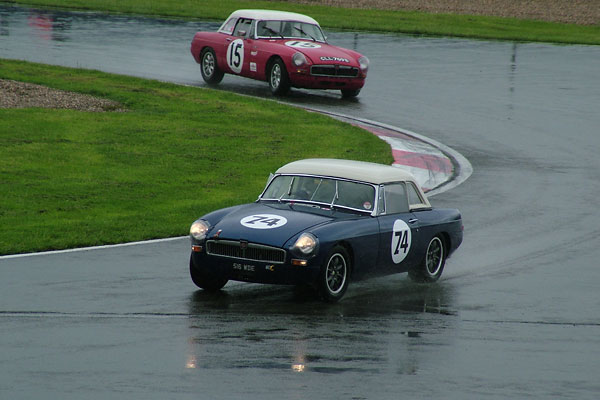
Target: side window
(396,199)
(228,26)
(414,198)
(242,27)
(381,200)
(356,195)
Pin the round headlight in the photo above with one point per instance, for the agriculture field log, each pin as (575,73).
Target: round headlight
(364,64)
(299,59)
(198,229)
(306,243)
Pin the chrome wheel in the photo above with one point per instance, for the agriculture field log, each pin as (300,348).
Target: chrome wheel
(434,257)
(279,82)
(276,76)
(336,273)
(211,73)
(208,64)
(432,265)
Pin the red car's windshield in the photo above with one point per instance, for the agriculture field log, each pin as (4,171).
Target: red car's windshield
(289,30)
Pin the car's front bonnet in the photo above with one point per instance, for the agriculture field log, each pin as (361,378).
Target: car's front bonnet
(328,54)
(266,224)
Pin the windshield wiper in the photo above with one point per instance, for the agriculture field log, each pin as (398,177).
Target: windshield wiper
(304,33)
(336,195)
(289,191)
(274,31)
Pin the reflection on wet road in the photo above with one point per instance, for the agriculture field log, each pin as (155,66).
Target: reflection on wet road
(333,339)
(516,314)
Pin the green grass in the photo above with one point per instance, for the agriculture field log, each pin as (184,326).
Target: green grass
(421,23)
(72,178)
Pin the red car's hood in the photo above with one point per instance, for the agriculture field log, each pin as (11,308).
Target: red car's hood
(323,53)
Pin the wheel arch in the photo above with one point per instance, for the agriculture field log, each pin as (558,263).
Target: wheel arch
(198,54)
(446,241)
(348,247)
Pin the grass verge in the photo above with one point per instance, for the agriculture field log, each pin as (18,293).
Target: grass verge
(72,178)
(468,26)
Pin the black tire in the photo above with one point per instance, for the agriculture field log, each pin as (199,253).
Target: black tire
(204,279)
(279,81)
(211,73)
(349,93)
(431,267)
(334,275)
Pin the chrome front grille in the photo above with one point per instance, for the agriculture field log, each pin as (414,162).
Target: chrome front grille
(341,71)
(245,251)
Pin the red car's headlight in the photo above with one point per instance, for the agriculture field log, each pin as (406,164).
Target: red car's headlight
(364,64)
(299,59)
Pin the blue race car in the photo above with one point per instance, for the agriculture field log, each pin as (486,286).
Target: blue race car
(324,222)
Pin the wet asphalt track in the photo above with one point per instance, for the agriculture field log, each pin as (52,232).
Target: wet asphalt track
(517,314)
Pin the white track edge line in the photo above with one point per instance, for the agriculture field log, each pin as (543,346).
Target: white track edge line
(80,249)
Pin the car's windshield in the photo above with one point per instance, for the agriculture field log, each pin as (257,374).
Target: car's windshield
(289,30)
(322,191)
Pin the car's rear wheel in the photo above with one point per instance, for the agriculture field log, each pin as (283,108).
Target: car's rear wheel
(279,81)
(432,266)
(334,275)
(349,93)
(204,279)
(211,73)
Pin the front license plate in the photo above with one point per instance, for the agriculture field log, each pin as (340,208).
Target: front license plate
(246,269)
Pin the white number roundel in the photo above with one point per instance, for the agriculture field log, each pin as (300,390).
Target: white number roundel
(401,240)
(299,44)
(235,55)
(263,221)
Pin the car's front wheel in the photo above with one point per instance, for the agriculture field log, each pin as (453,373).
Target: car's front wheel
(204,279)
(430,269)
(211,73)
(279,81)
(334,275)
(349,93)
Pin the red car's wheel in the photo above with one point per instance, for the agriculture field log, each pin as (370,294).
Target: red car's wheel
(279,81)
(211,73)
(348,93)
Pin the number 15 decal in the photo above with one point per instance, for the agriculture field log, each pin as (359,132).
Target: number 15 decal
(401,240)
(235,55)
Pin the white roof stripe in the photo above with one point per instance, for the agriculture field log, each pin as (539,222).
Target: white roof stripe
(272,15)
(348,169)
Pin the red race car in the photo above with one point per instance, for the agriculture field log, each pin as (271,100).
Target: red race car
(283,48)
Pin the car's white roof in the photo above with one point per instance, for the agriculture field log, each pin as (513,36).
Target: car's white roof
(348,169)
(272,15)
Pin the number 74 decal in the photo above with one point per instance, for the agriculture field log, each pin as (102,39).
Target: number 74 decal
(263,221)
(401,241)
